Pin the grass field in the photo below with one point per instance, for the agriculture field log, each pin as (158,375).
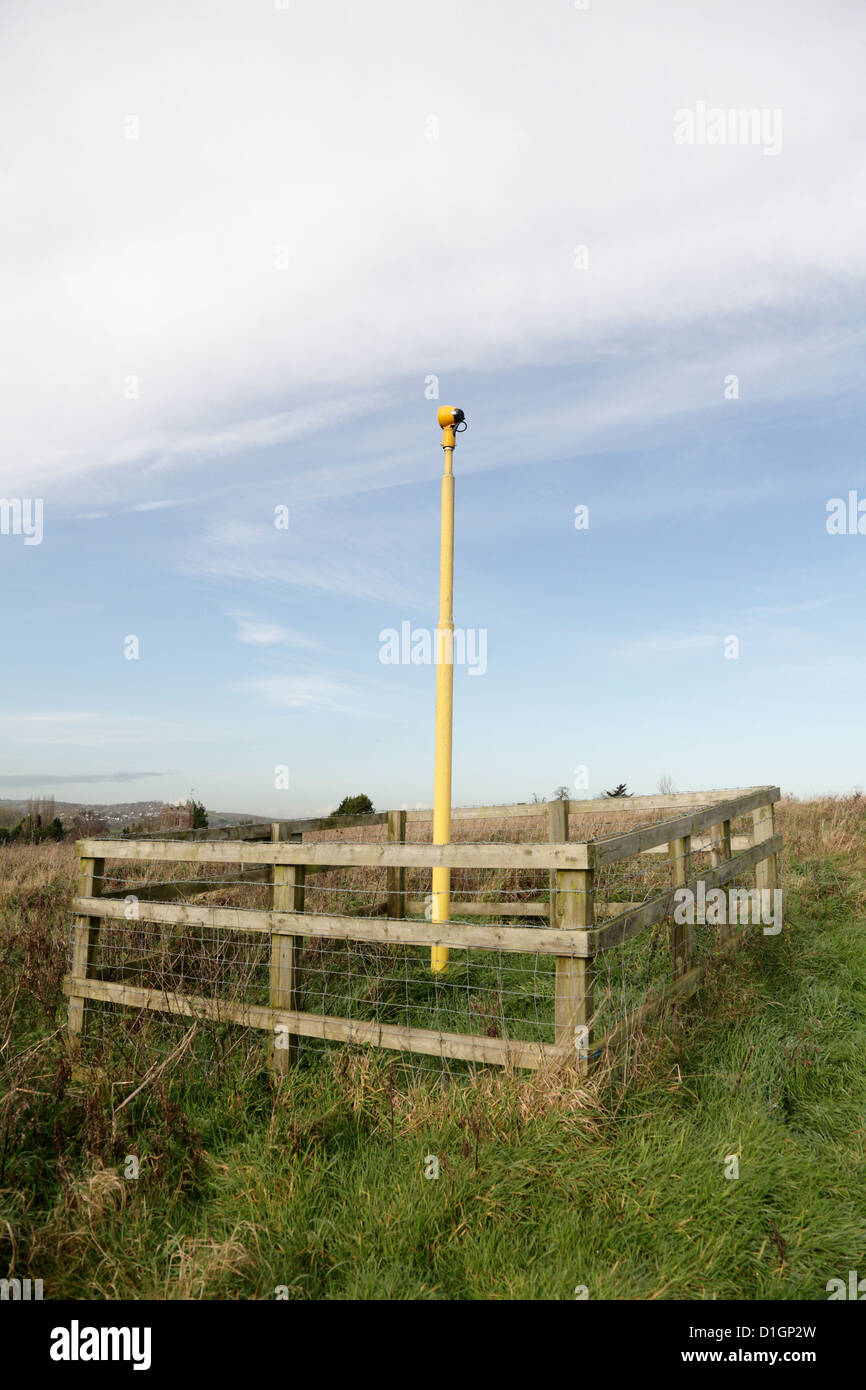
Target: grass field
(316,1186)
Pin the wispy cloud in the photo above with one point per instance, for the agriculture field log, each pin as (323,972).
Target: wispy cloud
(103,729)
(668,642)
(46,716)
(781,610)
(262,432)
(45,779)
(332,552)
(303,692)
(159,506)
(260,633)
(659,644)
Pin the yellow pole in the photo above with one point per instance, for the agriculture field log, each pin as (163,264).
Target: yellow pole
(448,418)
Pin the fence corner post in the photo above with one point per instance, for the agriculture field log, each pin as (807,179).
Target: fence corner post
(766,870)
(396,878)
(682,934)
(85,931)
(573,1007)
(286,895)
(720,853)
(557,834)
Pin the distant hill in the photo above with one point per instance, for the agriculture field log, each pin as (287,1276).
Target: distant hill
(116,814)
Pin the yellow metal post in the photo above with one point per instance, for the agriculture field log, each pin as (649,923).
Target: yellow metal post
(448,417)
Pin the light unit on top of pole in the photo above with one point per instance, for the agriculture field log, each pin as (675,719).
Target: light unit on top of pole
(450,421)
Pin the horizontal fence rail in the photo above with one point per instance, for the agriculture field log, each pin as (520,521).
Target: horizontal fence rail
(501,937)
(630,922)
(559,936)
(639,841)
(340,854)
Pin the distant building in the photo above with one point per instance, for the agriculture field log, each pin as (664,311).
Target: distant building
(180,815)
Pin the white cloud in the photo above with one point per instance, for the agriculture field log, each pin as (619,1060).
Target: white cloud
(257,634)
(296,138)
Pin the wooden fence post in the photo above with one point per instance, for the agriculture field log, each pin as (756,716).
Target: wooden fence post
(396,878)
(767,871)
(557,834)
(720,851)
(573,1007)
(91,873)
(286,895)
(682,934)
(720,848)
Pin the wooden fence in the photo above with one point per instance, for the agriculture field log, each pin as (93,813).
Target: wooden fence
(573,920)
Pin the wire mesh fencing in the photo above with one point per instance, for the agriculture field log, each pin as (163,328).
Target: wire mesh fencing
(547,961)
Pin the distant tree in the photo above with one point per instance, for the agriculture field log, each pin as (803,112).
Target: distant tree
(560,794)
(199,816)
(33,830)
(621,789)
(666,784)
(538,800)
(354,806)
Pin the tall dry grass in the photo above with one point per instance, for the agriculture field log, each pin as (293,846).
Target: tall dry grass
(316,1183)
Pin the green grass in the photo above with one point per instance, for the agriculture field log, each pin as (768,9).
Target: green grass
(317,1184)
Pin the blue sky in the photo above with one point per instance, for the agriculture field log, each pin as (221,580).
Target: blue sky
(281,265)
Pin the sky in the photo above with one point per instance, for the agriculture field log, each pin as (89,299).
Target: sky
(247,252)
